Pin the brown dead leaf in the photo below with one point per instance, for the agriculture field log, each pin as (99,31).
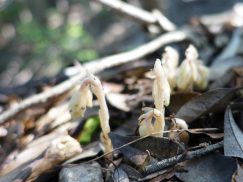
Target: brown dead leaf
(211,101)
(139,151)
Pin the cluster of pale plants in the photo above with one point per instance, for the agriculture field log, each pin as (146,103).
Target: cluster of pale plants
(190,74)
(167,75)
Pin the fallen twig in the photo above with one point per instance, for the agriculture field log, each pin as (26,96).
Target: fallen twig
(95,67)
(180,158)
(139,14)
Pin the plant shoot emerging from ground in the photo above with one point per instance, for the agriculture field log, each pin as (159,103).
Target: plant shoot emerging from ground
(82,98)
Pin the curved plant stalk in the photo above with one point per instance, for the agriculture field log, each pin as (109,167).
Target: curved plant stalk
(83,98)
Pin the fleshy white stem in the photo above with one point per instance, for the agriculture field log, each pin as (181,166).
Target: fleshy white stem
(161,94)
(97,89)
(81,100)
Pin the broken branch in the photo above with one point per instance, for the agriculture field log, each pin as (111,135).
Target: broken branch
(138,14)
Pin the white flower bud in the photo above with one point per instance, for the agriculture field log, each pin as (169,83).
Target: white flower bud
(186,75)
(79,101)
(191,53)
(170,60)
(161,87)
(170,57)
(171,77)
(192,72)
(203,72)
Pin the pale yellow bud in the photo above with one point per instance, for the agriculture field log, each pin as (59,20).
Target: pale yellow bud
(191,53)
(161,87)
(80,99)
(192,72)
(75,107)
(185,76)
(170,61)
(203,72)
(171,76)
(170,57)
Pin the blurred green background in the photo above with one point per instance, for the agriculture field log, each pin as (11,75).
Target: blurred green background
(41,37)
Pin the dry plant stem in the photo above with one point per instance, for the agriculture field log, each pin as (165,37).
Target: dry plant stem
(95,67)
(140,15)
(180,158)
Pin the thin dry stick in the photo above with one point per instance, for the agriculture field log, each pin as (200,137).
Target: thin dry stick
(95,67)
(180,158)
(138,14)
(130,11)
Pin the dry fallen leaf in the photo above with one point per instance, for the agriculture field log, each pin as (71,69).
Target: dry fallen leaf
(210,168)
(233,136)
(211,101)
(139,151)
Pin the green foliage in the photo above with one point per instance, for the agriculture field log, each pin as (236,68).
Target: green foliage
(90,126)
(55,46)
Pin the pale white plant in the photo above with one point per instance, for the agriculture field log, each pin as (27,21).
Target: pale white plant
(146,127)
(192,73)
(82,98)
(170,59)
(161,88)
(161,95)
(77,104)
